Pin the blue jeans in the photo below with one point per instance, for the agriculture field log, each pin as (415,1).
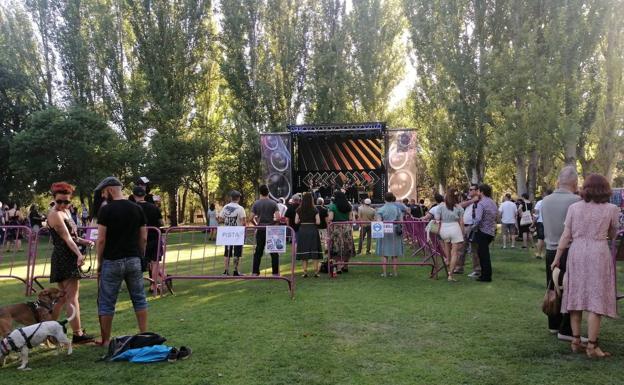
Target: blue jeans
(113,273)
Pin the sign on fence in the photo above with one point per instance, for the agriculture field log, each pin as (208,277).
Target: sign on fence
(230,235)
(377,229)
(389,228)
(276,239)
(92,234)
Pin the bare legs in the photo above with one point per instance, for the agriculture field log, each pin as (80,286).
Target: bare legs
(452,251)
(106,325)
(593,331)
(71,287)
(316,264)
(384,266)
(156,276)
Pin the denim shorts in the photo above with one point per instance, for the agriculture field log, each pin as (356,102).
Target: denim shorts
(113,273)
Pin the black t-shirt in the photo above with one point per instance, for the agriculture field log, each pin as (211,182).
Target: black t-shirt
(291,212)
(123,220)
(323,213)
(153,218)
(416,211)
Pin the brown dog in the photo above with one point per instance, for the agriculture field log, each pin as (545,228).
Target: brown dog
(31,312)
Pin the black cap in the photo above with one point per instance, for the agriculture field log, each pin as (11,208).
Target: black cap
(139,191)
(234,194)
(108,182)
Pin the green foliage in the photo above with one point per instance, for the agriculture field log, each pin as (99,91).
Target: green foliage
(76,146)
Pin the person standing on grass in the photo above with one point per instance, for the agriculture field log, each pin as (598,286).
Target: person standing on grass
(525,208)
(233,214)
(508,212)
(291,212)
(212,222)
(153,218)
(438,198)
(322,227)
(66,258)
(308,240)
(341,235)
(450,214)
(485,226)
(122,238)
(590,274)
(266,213)
(470,206)
(391,245)
(365,214)
(554,210)
(539,226)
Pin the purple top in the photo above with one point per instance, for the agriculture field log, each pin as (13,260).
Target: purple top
(485,216)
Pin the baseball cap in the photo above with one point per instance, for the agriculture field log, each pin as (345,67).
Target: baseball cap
(108,182)
(138,191)
(367,201)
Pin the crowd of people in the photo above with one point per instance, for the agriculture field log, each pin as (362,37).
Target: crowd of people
(571,227)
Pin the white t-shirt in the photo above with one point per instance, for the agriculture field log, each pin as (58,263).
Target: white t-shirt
(468,214)
(434,211)
(508,212)
(233,214)
(538,210)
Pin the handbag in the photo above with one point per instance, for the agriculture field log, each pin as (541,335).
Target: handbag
(433,227)
(551,305)
(526,218)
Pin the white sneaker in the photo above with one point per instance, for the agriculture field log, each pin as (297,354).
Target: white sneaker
(553,331)
(474,274)
(563,337)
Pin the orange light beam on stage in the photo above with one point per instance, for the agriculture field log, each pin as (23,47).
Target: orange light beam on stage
(361,153)
(344,159)
(358,165)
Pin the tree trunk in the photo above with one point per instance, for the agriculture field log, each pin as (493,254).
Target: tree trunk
(182,208)
(532,174)
(173,205)
(521,178)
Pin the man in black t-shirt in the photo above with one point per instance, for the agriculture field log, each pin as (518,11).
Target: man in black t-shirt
(291,212)
(153,218)
(265,213)
(122,238)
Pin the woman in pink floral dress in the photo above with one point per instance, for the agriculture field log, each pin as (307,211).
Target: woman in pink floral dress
(590,278)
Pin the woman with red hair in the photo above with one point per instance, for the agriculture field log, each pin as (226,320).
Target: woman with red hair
(590,276)
(66,257)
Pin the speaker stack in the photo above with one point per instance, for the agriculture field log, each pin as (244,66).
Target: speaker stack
(276,165)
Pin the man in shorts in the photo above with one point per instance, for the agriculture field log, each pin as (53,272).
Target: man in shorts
(233,214)
(508,212)
(122,238)
(153,218)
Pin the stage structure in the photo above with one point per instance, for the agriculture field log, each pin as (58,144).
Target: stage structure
(364,158)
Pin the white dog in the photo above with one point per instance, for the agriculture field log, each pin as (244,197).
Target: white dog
(22,339)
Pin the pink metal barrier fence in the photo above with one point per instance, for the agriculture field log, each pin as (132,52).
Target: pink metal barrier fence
(41,251)
(190,254)
(15,253)
(413,235)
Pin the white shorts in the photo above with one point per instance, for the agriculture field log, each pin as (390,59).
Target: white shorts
(451,232)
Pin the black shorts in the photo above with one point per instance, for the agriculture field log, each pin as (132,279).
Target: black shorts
(540,230)
(525,229)
(151,252)
(233,251)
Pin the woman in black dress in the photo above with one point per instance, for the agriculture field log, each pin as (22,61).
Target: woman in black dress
(66,257)
(308,239)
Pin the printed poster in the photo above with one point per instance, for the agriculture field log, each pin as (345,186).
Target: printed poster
(377,230)
(276,239)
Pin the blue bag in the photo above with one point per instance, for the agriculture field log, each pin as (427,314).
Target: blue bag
(155,353)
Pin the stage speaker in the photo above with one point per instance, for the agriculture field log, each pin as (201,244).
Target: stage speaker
(402,150)
(277,164)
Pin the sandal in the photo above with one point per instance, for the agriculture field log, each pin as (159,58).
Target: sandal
(576,345)
(451,279)
(595,351)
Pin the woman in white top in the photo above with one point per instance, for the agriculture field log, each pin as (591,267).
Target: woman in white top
(451,216)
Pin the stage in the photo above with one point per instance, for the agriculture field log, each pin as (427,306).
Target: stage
(364,159)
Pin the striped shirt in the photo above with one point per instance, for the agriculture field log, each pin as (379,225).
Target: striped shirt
(485,216)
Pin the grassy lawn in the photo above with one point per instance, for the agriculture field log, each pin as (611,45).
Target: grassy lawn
(357,329)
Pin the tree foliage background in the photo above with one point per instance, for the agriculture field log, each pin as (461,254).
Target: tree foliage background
(506,91)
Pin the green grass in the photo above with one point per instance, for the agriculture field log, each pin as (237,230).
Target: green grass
(357,329)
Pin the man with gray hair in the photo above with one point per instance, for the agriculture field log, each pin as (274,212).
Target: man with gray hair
(365,214)
(554,209)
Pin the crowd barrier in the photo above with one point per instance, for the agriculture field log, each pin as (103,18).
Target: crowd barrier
(16,253)
(39,265)
(190,255)
(425,252)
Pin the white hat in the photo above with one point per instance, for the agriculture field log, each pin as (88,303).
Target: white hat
(367,201)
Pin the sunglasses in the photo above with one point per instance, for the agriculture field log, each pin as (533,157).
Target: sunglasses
(62,202)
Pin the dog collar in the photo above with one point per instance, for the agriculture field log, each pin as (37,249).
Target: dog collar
(7,344)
